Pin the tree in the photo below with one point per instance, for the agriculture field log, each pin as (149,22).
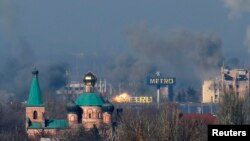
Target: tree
(233,110)
(150,124)
(192,95)
(181,96)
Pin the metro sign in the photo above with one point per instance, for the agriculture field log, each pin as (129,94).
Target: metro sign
(161,81)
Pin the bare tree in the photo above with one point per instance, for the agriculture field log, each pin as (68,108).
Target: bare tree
(164,124)
(233,110)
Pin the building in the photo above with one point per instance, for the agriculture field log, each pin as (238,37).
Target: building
(77,88)
(234,81)
(210,91)
(72,87)
(88,111)
(205,118)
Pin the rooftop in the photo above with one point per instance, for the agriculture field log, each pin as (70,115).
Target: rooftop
(35,95)
(50,124)
(89,99)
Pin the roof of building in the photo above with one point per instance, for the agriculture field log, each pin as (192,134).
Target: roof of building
(35,95)
(207,118)
(108,107)
(90,99)
(72,107)
(56,123)
(50,124)
(35,125)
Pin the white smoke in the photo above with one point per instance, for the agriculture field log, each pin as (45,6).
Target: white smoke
(237,7)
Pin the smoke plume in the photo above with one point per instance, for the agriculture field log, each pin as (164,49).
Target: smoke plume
(56,76)
(16,73)
(237,7)
(18,59)
(186,55)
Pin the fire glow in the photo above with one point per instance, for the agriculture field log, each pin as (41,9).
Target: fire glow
(123,97)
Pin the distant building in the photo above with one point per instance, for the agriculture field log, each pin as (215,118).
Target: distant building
(210,91)
(205,118)
(235,81)
(77,88)
(72,87)
(167,92)
(89,110)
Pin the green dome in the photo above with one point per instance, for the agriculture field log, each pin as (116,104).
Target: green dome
(108,107)
(72,107)
(90,99)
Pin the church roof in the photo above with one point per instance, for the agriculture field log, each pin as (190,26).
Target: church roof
(35,95)
(35,125)
(89,99)
(50,124)
(56,123)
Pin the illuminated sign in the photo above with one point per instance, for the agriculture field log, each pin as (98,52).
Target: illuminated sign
(141,99)
(124,98)
(161,81)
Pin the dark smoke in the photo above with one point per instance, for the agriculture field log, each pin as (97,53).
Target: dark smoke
(15,67)
(16,74)
(56,76)
(18,58)
(188,56)
(233,62)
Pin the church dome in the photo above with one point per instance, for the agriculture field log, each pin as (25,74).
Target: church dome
(72,107)
(89,79)
(89,99)
(108,107)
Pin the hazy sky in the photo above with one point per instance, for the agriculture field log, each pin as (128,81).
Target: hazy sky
(73,30)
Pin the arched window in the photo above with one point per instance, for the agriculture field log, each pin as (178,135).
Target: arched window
(90,112)
(72,118)
(35,115)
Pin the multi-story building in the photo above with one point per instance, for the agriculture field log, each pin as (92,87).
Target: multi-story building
(230,81)
(235,81)
(210,91)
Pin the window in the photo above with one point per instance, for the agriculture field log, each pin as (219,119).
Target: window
(90,112)
(35,115)
(99,115)
(72,118)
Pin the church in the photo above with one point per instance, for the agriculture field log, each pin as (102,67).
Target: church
(89,110)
